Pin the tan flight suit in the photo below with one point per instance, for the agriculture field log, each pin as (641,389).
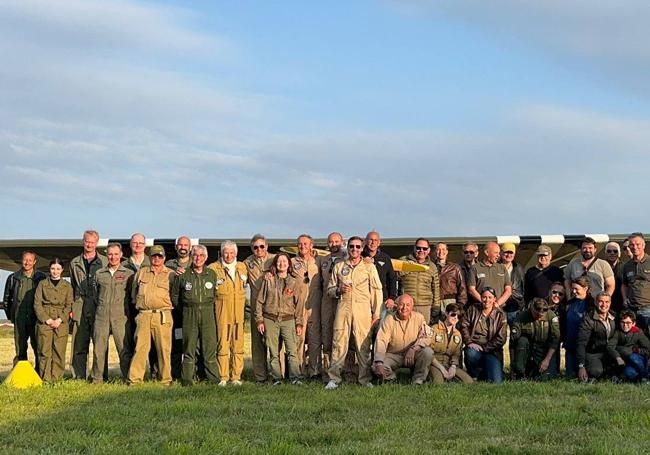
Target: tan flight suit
(153,301)
(355,312)
(396,337)
(256,269)
(447,349)
(307,273)
(231,300)
(424,287)
(328,307)
(52,302)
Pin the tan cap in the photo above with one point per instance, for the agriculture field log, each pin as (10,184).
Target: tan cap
(544,250)
(157,250)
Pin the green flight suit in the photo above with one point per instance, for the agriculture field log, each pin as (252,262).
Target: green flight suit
(112,316)
(196,293)
(532,339)
(177,330)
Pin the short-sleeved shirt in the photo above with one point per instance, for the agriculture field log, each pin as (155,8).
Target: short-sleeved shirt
(597,273)
(636,276)
(495,276)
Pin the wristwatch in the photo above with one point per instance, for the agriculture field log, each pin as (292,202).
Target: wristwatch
(581,365)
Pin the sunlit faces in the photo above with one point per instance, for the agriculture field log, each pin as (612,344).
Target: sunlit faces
(488,299)
(421,250)
(157,260)
(229,255)
(544,260)
(305,245)
(373,241)
(114,255)
(637,247)
(588,250)
(28,262)
(579,292)
(56,270)
(259,248)
(198,258)
(282,264)
(183,246)
(492,251)
(90,243)
(334,242)
(557,293)
(612,252)
(404,307)
(627,324)
(442,252)
(354,248)
(603,302)
(137,244)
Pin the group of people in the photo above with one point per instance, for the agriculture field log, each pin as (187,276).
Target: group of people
(316,317)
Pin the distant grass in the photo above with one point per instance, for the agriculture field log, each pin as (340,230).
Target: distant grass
(556,417)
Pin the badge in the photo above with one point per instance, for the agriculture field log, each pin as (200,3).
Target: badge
(120,277)
(188,286)
(630,274)
(208,285)
(514,330)
(381,263)
(480,275)
(243,278)
(427,330)
(555,319)
(219,282)
(346,271)
(297,266)
(438,338)
(501,274)
(456,339)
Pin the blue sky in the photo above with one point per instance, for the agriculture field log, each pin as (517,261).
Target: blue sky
(222,119)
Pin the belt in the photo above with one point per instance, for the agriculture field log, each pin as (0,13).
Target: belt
(280,317)
(155,311)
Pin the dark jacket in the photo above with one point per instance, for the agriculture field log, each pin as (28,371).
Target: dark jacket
(593,338)
(387,276)
(537,282)
(634,341)
(544,333)
(516,300)
(12,289)
(497,329)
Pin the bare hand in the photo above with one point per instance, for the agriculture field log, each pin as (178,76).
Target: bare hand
(475,346)
(379,370)
(299,330)
(268,276)
(374,322)
(451,373)
(409,358)
(180,270)
(582,374)
(544,365)
(620,361)
(50,323)
(345,288)
(390,304)
(260,328)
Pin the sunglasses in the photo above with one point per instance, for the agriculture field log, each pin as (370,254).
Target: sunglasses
(421,248)
(259,247)
(469,252)
(452,315)
(354,246)
(541,309)
(612,251)
(557,292)
(306,280)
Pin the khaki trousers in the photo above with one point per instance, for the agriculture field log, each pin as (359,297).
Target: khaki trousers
(310,363)
(52,344)
(358,325)
(158,326)
(230,350)
(461,376)
(420,368)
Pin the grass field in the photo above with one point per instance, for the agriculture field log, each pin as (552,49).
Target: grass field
(557,417)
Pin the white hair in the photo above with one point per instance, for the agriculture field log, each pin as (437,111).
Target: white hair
(200,248)
(228,244)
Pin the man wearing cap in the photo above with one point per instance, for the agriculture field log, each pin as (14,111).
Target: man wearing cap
(82,278)
(195,293)
(490,273)
(636,281)
(613,258)
(114,284)
(470,256)
(152,295)
(452,279)
(403,340)
(599,272)
(181,263)
(423,288)
(356,284)
(328,303)
(232,278)
(535,339)
(257,264)
(540,277)
(19,305)
(307,268)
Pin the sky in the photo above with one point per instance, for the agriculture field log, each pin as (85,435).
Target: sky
(220,119)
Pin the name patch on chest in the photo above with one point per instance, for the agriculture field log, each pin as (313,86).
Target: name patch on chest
(188,286)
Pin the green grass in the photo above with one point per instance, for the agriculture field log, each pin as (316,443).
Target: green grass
(520,417)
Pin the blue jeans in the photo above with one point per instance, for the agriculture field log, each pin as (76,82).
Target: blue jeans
(571,363)
(636,367)
(643,319)
(483,365)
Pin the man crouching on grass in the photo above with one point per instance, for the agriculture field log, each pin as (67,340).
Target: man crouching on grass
(403,340)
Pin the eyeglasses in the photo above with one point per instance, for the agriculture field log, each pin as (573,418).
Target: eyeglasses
(354,246)
(612,251)
(627,322)
(469,252)
(557,292)
(541,309)
(306,280)
(452,315)
(421,248)
(259,247)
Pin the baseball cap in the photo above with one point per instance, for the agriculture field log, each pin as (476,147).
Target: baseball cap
(544,250)
(509,246)
(157,250)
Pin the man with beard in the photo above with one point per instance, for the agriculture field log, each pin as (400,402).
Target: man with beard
(328,304)
(613,258)
(179,265)
(599,272)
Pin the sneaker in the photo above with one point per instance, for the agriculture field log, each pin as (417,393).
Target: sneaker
(296,382)
(331,385)
(418,382)
(277,383)
(222,383)
(368,385)
(236,383)
(645,381)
